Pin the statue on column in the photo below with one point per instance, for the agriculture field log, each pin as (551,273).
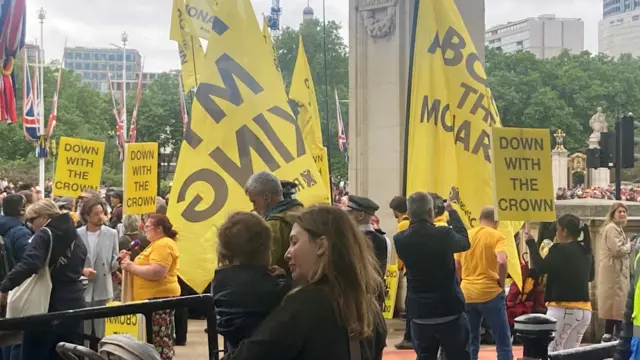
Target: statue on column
(599,125)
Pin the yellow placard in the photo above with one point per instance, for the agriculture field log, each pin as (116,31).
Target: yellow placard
(523,174)
(390,290)
(241,124)
(131,324)
(451,113)
(78,167)
(141,178)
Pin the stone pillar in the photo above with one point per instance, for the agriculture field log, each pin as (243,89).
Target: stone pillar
(378,76)
(559,164)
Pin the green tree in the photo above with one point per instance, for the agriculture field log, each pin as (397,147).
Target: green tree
(337,76)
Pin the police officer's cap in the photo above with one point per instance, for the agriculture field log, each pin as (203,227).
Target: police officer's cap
(361,203)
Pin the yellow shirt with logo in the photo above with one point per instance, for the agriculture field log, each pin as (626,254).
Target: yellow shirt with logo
(162,252)
(479,265)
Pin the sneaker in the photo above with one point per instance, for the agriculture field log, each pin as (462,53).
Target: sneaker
(404,345)
(607,338)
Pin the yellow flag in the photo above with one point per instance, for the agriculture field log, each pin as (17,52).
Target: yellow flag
(451,113)
(266,35)
(241,124)
(304,94)
(198,15)
(189,47)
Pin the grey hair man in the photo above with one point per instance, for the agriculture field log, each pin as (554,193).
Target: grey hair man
(435,305)
(264,190)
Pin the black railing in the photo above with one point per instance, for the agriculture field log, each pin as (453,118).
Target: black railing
(145,308)
(537,331)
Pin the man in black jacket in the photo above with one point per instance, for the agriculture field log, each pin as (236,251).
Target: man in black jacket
(434,300)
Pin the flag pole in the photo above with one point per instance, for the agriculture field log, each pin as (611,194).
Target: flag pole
(42,15)
(326,98)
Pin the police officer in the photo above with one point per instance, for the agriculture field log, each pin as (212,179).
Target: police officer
(362,209)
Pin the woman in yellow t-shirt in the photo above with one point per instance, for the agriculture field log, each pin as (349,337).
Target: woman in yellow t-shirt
(155,275)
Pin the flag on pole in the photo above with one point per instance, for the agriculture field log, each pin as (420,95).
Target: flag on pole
(342,136)
(30,120)
(134,117)
(54,107)
(183,107)
(118,116)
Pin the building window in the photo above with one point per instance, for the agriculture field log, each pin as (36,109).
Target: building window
(68,55)
(78,66)
(86,75)
(95,66)
(129,57)
(68,65)
(119,57)
(112,58)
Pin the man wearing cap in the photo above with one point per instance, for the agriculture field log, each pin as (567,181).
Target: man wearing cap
(362,209)
(13,230)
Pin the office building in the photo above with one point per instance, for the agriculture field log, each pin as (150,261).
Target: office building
(619,30)
(32,51)
(91,64)
(545,36)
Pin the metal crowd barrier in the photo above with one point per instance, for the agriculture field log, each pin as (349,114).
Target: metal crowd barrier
(591,352)
(145,308)
(537,331)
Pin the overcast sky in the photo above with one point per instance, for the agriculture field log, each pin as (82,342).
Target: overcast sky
(97,23)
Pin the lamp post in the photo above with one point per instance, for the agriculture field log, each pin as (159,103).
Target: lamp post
(125,38)
(42,15)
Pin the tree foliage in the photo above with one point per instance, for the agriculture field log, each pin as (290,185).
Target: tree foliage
(336,76)
(562,92)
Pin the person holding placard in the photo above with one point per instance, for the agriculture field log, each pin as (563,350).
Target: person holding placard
(155,276)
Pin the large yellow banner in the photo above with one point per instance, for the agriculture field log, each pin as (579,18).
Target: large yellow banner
(451,113)
(141,178)
(241,124)
(78,167)
(183,31)
(303,92)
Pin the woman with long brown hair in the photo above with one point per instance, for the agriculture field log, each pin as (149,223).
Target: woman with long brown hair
(612,276)
(333,314)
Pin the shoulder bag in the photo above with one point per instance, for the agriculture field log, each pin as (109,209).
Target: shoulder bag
(33,295)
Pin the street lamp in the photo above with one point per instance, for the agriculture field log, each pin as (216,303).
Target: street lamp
(42,15)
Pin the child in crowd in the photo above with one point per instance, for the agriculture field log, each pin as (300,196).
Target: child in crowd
(245,289)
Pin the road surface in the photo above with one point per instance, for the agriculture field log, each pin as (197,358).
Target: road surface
(197,344)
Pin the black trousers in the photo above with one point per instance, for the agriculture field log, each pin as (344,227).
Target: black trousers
(181,316)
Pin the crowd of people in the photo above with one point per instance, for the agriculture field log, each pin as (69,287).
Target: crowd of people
(281,259)
(628,193)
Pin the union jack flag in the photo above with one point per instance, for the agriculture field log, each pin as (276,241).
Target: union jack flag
(119,116)
(30,115)
(54,108)
(342,137)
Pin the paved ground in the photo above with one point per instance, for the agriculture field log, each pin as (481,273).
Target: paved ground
(197,344)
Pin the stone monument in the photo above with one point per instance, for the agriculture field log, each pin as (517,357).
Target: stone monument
(598,177)
(559,162)
(379,47)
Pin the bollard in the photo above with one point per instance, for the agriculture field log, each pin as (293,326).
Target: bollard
(536,332)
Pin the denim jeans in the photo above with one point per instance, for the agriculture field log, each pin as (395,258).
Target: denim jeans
(495,312)
(11,352)
(41,344)
(452,336)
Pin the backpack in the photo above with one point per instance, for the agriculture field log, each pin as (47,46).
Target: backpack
(6,260)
